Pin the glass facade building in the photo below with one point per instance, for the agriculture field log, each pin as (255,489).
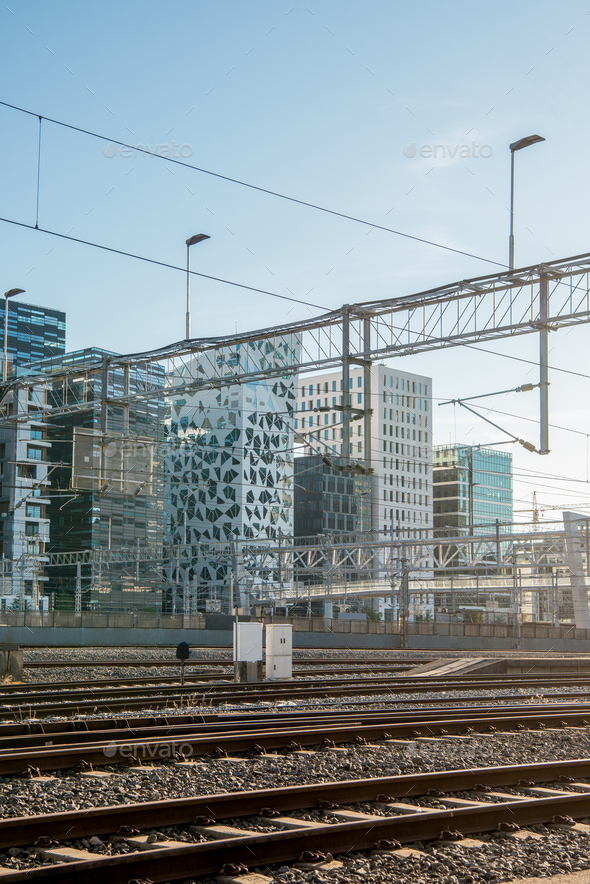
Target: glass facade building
(472,489)
(33,333)
(89,517)
(328,502)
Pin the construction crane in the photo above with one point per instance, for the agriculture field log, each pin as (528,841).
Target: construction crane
(537,510)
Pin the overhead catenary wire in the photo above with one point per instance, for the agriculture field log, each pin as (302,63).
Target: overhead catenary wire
(267,191)
(183,270)
(531,420)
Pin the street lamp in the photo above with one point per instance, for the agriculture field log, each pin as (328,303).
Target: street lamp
(517,145)
(9,294)
(198,237)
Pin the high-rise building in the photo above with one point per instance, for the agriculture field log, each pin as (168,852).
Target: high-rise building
(24,520)
(106,488)
(472,489)
(33,333)
(329,501)
(401,439)
(229,477)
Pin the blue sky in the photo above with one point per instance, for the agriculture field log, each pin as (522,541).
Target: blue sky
(317,101)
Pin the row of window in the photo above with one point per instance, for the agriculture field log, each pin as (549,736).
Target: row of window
(405,384)
(410,483)
(405,497)
(335,385)
(388,381)
(403,433)
(405,516)
(409,450)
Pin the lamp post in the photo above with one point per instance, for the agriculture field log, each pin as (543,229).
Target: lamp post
(9,294)
(517,145)
(198,237)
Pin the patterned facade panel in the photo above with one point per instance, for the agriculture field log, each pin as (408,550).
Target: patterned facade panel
(229,474)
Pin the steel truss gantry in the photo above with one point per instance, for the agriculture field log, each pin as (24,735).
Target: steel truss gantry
(536,299)
(528,548)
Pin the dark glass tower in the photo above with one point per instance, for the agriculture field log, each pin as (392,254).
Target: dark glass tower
(82,517)
(472,489)
(33,333)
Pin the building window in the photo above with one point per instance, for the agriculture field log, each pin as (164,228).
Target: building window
(36,433)
(26,471)
(33,511)
(359,398)
(31,529)
(34,453)
(359,381)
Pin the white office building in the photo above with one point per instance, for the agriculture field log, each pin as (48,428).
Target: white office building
(400,445)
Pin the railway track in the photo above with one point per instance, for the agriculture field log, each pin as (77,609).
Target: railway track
(394,809)
(189,741)
(297,661)
(43,701)
(227,673)
(37,733)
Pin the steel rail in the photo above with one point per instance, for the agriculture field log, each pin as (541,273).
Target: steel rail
(122,731)
(25,693)
(37,732)
(337,661)
(259,849)
(219,694)
(154,680)
(192,745)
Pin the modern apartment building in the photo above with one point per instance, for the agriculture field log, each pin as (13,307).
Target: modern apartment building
(472,489)
(401,439)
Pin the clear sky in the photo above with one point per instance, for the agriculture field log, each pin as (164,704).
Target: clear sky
(318,101)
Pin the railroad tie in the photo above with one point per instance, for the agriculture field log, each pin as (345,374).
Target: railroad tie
(148,842)
(219,832)
(580,787)
(291,822)
(64,854)
(400,807)
(461,802)
(523,835)
(250,878)
(352,816)
(543,792)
